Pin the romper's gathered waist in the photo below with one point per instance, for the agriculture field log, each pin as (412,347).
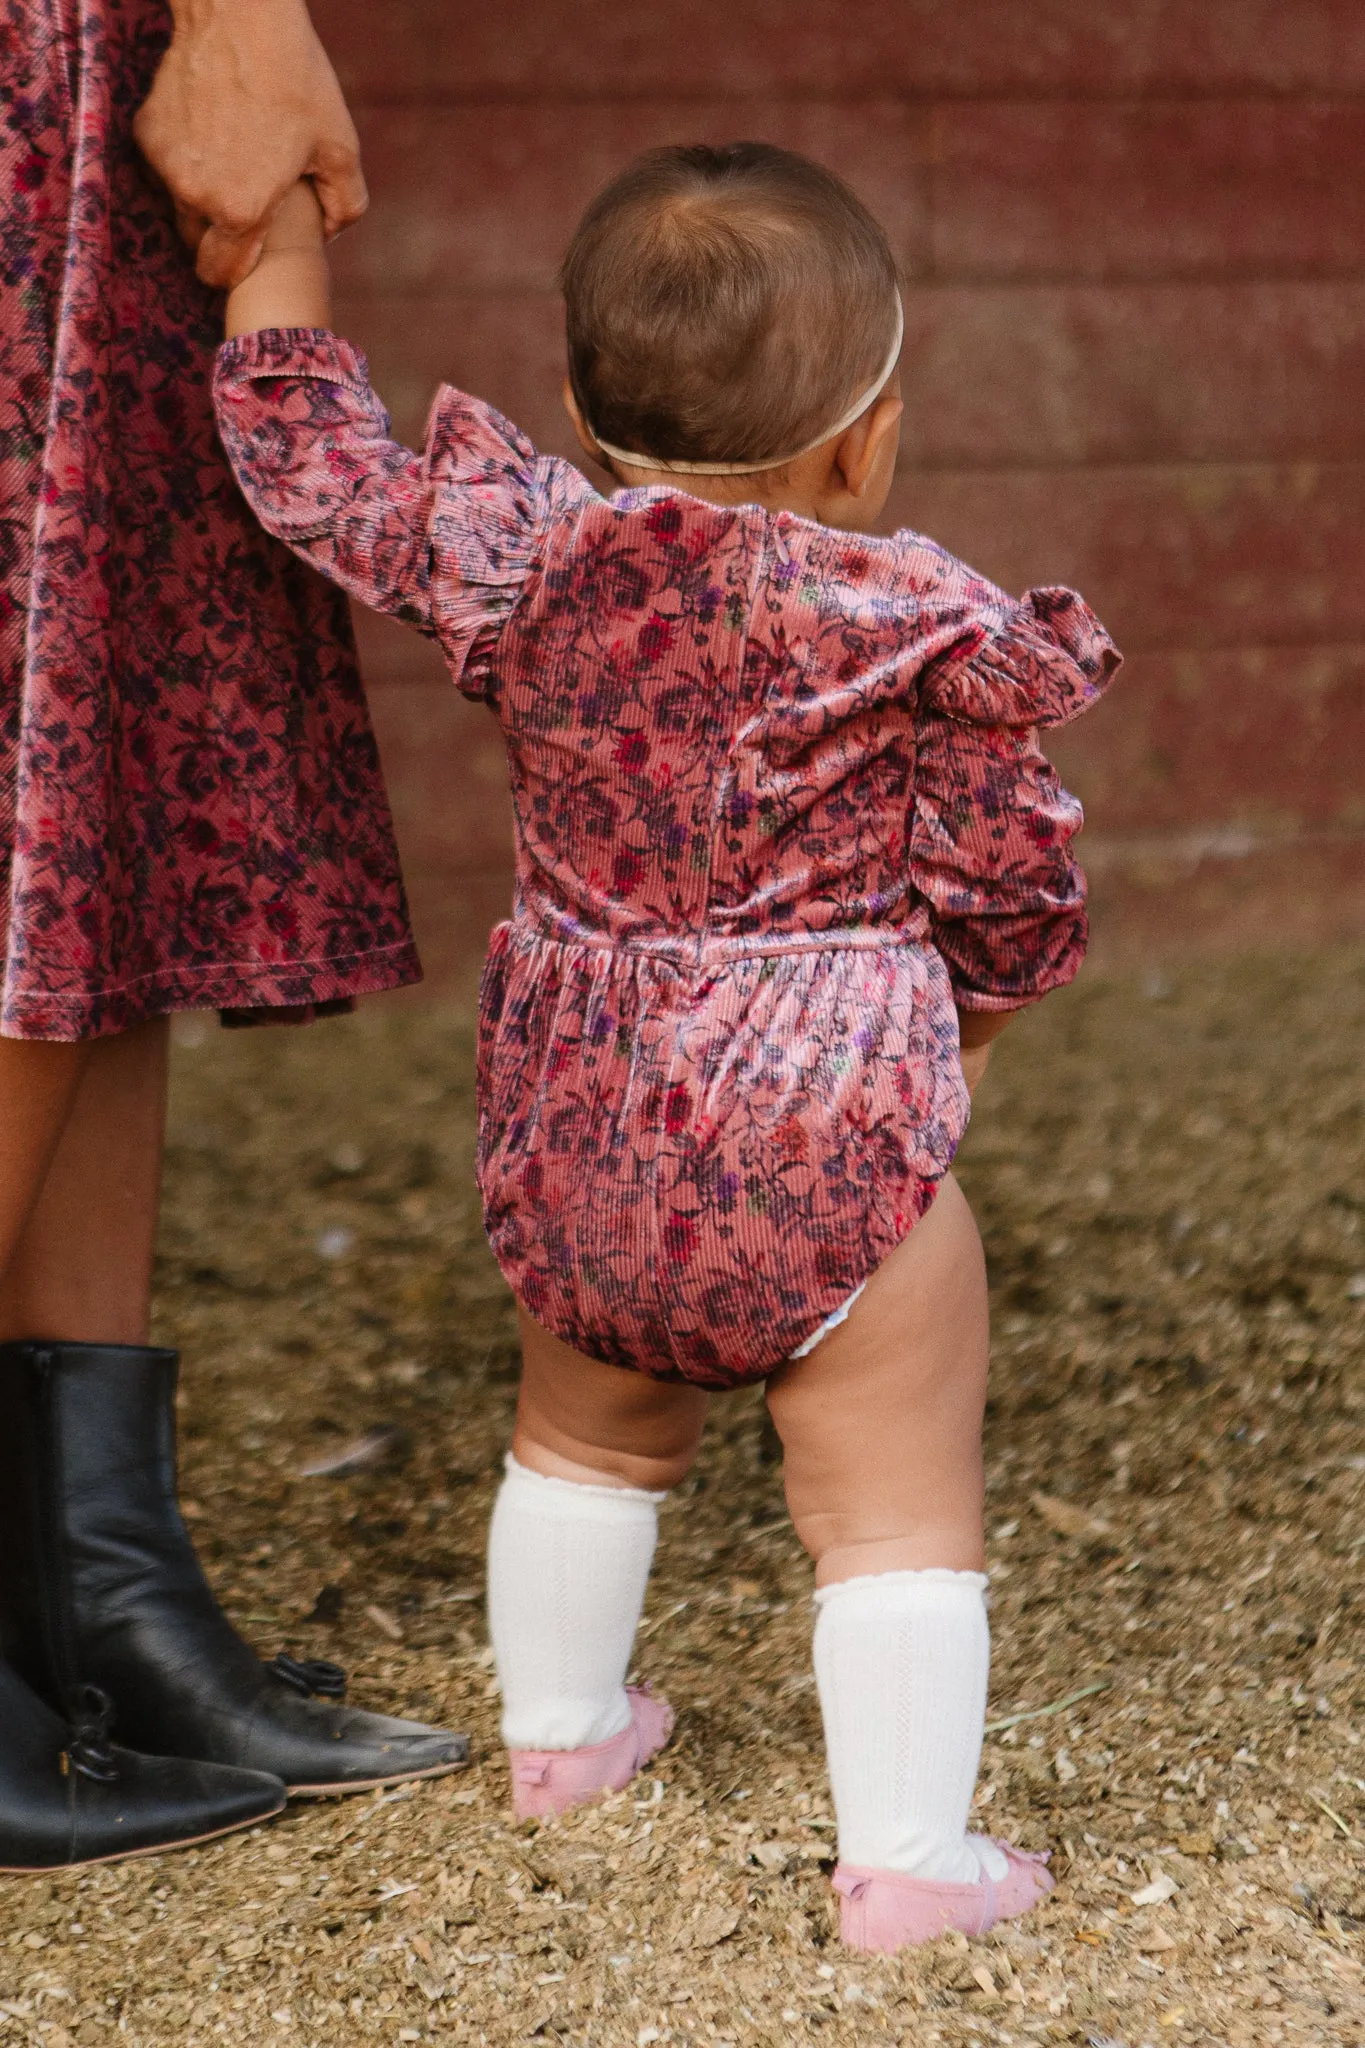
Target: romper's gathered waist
(693,1147)
(702,950)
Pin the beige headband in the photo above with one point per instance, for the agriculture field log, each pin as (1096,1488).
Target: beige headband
(633,459)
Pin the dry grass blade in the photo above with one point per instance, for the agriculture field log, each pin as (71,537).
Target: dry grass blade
(1335,1818)
(647,1628)
(385,1445)
(1086,1692)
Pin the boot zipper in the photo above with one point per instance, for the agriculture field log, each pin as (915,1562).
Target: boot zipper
(54,1603)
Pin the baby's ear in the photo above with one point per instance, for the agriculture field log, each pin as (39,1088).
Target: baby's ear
(866,442)
(580,426)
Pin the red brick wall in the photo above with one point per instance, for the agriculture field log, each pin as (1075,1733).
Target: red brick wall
(1134,235)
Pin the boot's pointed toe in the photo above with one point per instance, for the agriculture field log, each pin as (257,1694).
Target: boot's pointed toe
(106,1588)
(317,1745)
(340,1749)
(69,1796)
(159,1802)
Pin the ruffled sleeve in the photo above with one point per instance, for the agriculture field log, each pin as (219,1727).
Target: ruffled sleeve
(990,856)
(444,540)
(993,659)
(992,825)
(1044,662)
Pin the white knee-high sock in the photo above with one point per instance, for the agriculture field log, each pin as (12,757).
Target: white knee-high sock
(567,1571)
(901,1662)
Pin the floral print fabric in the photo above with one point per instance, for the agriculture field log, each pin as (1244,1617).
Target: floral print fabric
(191,809)
(779,807)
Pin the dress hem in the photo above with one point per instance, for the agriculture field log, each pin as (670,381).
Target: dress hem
(103,1013)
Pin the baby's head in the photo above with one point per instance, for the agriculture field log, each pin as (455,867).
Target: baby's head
(731,313)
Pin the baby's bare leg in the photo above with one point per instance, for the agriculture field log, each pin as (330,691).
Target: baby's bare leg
(882,1429)
(881,1423)
(569,1556)
(580,1419)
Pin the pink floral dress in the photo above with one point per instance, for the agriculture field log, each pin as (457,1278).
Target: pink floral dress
(191,807)
(779,807)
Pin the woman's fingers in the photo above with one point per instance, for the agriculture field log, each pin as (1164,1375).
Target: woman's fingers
(344,199)
(191,225)
(339,181)
(227,255)
(244,103)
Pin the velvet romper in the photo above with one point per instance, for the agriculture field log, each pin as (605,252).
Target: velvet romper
(191,807)
(779,809)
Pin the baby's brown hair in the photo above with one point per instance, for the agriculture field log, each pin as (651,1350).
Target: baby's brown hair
(723,305)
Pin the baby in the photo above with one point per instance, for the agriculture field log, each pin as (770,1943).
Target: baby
(788,859)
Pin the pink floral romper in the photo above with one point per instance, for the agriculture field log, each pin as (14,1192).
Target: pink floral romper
(779,807)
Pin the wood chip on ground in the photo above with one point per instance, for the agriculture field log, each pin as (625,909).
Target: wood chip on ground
(1172,1196)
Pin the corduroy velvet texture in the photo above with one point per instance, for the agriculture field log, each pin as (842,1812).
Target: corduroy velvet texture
(779,805)
(191,808)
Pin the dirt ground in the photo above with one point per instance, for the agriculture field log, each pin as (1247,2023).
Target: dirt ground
(1171,1181)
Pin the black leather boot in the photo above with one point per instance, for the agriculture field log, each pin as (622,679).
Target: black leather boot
(100,1584)
(68,1795)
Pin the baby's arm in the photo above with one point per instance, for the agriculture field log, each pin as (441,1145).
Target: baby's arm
(977,1031)
(990,856)
(443,540)
(992,826)
(308,438)
(291,284)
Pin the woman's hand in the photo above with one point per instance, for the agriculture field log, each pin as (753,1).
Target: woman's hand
(245,103)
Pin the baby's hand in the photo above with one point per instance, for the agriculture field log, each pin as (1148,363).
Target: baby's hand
(297,222)
(289,286)
(975,1060)
(976,1031)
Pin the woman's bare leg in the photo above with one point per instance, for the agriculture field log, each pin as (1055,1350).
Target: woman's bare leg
(81,1135)
(881,1423)
(38,1084)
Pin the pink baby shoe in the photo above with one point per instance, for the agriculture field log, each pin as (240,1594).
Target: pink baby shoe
(552,1780)
(885,1910)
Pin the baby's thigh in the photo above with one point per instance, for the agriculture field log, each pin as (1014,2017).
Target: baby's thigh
(881,1422)
(580,1419)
